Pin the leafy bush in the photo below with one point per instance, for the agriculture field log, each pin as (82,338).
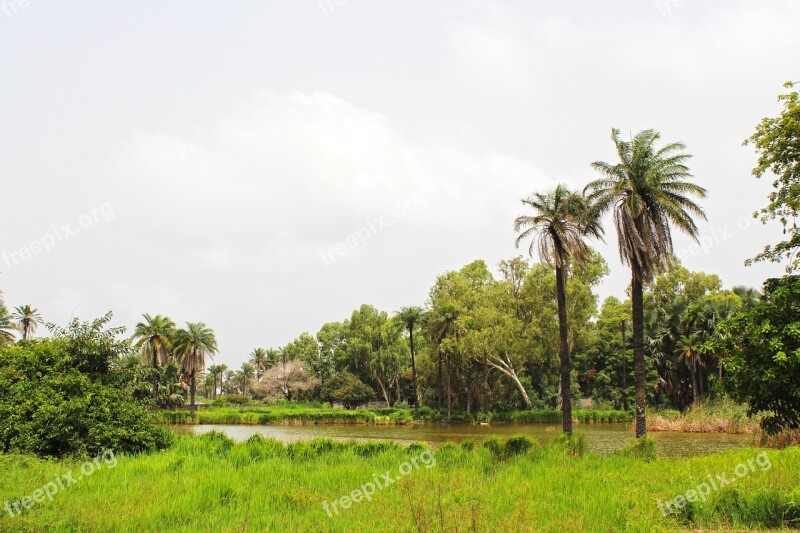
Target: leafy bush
(65,397)
(513,446)
(347,389)
(574,446)
(233,399)
(763,361)
(642,448)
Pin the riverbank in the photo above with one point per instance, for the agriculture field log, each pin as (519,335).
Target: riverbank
(266,415)
(713,416)
(212,484)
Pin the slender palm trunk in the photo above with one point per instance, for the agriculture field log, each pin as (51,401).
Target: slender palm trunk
(448,387)
(624,370)
(192,390)
(637,299)
(155,372)
(485,385)
(563,352)
(440,392)
(413,367)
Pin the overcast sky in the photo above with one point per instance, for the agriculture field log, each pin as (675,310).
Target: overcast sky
(266,167)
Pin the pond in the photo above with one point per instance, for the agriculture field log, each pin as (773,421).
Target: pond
(600,438)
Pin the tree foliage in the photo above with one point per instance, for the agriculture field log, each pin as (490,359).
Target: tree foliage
(763,359)
(777,143)
(70,395)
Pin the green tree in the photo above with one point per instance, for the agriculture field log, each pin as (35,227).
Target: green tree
(260,361)
(410,318)
(71,395)
(648,191)
(557,228)
(27,318)
(777,143)
(762,363)
(347,389)
(215,372)
(7,327)
(154,337)
(192,345)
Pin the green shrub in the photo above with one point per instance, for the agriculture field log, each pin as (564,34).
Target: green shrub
(518,445)
(65,396)
(401,417)
(233,399)
(642,448)
(347,389)
(574,446)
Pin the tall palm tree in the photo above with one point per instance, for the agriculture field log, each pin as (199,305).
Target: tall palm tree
(154,337)
(441,324)
(648,191)
(215,371)
(560,221)
(27,318)
(410,318)
(688,348)
(273,356)
(192,345)
(7,327)
(259,360)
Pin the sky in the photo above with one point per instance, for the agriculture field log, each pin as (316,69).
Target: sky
(266,167)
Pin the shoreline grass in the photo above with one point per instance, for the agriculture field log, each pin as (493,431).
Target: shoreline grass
(711,416)
(210,483)
(266,415)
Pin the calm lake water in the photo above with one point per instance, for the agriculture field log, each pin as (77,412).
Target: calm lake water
(600,438)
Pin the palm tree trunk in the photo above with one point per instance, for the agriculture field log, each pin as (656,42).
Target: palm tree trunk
(563,352)
(413,367)
(637,308)
(155,372)
(192,406)
(448,387)
(485,385)
(440,392)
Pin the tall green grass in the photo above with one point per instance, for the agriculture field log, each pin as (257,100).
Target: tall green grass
(209,483)
(720,415)
(287,414)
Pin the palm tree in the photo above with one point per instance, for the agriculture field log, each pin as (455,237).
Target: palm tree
(7,327)
(246,375)
(192,345)
(410,318)
(259,360)
(443,323)
(273,356)
(215,371)
(154,337)
(556,229)
(648,191)
(27,318)
(688,348)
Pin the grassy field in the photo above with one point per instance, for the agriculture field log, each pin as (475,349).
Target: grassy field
(211,484)
(321,415)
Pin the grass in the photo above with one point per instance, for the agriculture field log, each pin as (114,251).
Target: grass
(289,415)
(209,483)
(721,415)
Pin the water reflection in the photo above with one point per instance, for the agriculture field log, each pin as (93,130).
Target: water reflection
(600,438)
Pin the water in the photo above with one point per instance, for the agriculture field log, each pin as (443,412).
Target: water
(600,438)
